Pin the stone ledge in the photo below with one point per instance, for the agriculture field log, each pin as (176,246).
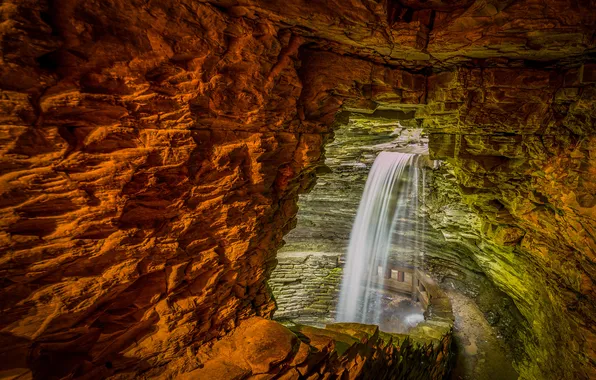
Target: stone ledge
(262,349)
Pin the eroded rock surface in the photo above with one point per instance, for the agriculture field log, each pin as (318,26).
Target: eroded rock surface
(306,286)
(264,349)
(522,174)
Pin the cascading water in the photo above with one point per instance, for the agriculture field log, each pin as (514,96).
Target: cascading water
(391,188)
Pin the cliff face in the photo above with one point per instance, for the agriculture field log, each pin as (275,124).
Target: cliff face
(153,152)
(528,189)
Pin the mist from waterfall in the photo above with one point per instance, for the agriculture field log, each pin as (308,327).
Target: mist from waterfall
(390,196)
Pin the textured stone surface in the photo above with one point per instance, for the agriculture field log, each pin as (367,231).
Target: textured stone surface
(137,218)
(264,349)
(421,33)
(306,284)
(152,154)
(521,177)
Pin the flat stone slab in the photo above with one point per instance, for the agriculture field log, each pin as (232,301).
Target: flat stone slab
(306,254)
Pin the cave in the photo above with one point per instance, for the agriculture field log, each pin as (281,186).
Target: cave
(180,180)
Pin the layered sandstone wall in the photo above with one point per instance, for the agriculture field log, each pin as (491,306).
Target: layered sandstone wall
(327,212)
(524,175)
(306,284)
(148,176)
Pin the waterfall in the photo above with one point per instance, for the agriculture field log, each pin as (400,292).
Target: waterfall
(391,187)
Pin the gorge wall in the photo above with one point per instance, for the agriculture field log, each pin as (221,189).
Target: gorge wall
(153,153)
(528,190)
(327,212)
(306,286)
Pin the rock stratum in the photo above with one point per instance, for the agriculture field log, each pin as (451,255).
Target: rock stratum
(152,153)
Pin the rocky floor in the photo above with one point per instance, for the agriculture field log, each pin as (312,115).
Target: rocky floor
(481,355)
(399,315)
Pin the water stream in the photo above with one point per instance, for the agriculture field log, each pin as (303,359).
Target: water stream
(389,199)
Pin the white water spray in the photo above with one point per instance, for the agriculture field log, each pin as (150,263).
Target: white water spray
(393,180)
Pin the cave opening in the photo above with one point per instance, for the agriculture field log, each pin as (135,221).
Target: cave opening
(399,293)
(388,221)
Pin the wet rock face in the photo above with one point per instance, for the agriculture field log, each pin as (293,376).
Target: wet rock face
(521,187)
(152,154)
(306,286)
